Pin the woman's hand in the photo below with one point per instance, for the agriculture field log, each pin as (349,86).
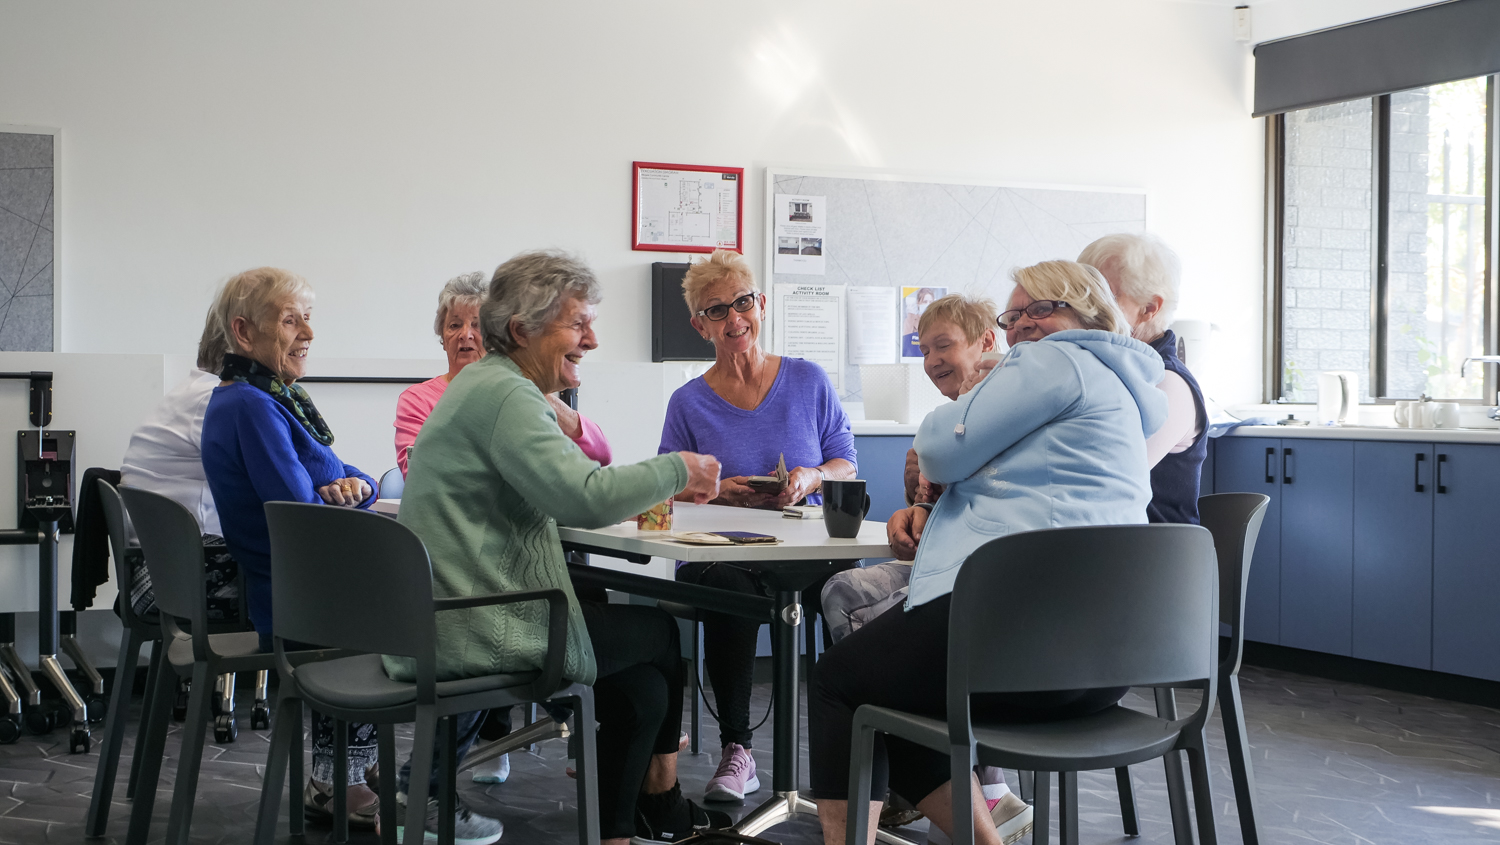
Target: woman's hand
(904,530)
(703,477)
(800,483)
(977,376)
(346,492)
(736,492)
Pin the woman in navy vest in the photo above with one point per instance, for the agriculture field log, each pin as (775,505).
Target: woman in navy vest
(1145,275)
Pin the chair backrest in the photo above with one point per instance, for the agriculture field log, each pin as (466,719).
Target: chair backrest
(1234,519)
(1085,608)
(114,523)
(350,579)
(392,483)
(172,544)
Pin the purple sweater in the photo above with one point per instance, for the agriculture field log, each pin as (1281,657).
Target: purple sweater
(800,416)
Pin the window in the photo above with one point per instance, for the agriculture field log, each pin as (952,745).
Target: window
(1383,243)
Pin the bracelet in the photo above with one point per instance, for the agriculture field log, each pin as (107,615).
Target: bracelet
(926,506)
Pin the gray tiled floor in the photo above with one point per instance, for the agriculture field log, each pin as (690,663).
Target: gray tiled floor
(1336,763)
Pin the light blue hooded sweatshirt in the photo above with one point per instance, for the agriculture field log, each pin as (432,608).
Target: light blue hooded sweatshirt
(1054,437)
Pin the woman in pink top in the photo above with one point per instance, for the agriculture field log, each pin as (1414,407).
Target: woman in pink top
(457,325)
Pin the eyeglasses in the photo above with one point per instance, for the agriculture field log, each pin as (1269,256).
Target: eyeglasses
(1038,310)
(720,311)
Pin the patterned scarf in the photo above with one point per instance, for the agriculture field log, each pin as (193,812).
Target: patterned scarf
(289,396)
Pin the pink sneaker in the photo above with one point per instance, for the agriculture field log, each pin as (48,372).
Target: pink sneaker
(735,777)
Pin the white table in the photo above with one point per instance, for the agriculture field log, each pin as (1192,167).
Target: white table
(805,554)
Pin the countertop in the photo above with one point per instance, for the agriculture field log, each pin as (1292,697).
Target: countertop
(1370,432)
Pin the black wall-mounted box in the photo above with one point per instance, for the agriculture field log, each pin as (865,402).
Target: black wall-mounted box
(673,337)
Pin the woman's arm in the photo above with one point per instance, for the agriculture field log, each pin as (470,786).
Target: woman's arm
(1030,388)
(1182,419)
(592,441)
(270,459)
(411,412)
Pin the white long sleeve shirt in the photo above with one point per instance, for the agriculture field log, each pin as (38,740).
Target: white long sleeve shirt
(165,454)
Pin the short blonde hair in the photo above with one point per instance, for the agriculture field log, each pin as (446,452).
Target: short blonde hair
(255,295)
(1081,286)
(722,264)
(1145,267)
(973,317)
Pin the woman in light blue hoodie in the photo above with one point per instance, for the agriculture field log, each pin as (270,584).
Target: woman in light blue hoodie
(1053,437)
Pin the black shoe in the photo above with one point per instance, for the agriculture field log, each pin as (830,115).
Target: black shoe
(668,817)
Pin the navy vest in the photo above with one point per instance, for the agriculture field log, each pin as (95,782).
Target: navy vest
(1174,480)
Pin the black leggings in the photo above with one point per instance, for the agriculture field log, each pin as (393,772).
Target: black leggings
(729,644)
(637,702)
(900,660)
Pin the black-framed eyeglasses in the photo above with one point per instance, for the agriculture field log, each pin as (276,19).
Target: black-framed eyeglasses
(1038,310)
(720,311)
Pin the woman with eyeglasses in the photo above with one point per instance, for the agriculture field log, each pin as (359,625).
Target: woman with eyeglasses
(750,409)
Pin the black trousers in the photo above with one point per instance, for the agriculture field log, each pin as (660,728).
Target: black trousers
(637,702)
(729,644)
(900,660)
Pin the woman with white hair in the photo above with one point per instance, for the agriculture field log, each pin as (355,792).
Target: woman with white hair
(1144,274)
(457,327)
(264,441)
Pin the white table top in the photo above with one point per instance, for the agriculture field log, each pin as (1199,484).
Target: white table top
(801,539)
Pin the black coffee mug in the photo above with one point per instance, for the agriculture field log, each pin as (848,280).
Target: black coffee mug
(845,504)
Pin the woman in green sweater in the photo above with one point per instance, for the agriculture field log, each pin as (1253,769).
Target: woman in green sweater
(490,477)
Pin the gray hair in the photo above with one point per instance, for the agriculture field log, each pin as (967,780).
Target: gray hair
(256,295)
(530,288)
(212,346)
(468,289)
(1144,267)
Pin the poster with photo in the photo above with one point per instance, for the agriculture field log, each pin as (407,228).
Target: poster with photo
(800,224)
(914,300)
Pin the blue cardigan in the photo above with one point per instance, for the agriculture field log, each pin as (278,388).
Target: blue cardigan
(255,451)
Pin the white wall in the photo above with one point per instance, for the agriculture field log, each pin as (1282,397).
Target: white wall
(380,148)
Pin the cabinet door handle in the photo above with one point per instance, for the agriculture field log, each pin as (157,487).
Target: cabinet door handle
(1270,474)
(1286,466)
(1416,474)
(1442,459)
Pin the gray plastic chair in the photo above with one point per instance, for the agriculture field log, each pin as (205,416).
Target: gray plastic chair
(138,631)
(173,548)
(1099,607)
(1234,519)
(355,580)
(392,483)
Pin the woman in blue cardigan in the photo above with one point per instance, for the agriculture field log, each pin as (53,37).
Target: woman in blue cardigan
(264,441)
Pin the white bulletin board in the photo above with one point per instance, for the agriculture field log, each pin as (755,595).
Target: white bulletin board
(889,231)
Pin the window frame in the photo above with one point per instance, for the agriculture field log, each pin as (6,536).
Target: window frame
(1275,241)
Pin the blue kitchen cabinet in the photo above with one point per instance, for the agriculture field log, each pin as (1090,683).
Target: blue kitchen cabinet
(1466,565)
(1317,544)
(1393,552)
(1253,465)
(882,462)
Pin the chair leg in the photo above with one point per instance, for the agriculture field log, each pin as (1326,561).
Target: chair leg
(1182,825)
(1232,708)
(296,808)
(148,702)
(422,748)
(340,784)
(114,737)
(697,690)
(190,758)
(1041,822)
(961,767)
(448,784)
(386,741)
(1025,785)
(150,751)
(1067,808)
(810,649)
(1132,822)
(861,764)
(586,764)
(288,719)
(1203,797)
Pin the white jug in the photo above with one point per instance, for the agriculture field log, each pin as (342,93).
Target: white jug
(1338,395)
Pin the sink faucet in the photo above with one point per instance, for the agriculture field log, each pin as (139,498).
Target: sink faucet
(1483,359)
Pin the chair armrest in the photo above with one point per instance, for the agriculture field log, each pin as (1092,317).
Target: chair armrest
(557,626)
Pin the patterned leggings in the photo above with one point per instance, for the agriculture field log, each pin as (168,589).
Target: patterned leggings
(363,751)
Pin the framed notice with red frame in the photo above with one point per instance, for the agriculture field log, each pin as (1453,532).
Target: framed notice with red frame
(686,207)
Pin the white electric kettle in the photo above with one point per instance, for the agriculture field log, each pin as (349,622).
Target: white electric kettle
(1338,395)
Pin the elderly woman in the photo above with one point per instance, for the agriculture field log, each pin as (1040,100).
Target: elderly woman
(1055,436)
(264,441)
(457,327)
(749,410)
(1144,274)
(494,477)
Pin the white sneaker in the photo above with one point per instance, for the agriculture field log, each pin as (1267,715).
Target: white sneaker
(1011,815)
(495,771)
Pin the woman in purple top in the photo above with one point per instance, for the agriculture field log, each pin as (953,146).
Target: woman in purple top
(748,410)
